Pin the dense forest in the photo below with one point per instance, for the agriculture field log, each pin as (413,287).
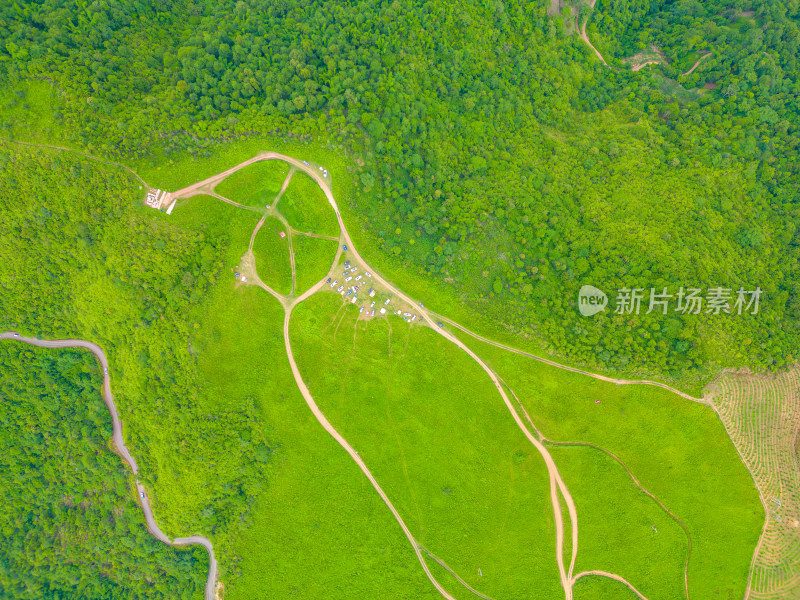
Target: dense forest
(501,159)
(70,525)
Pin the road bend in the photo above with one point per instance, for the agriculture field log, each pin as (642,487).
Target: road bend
(122,450)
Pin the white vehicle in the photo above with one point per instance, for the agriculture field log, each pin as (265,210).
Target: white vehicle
(347,279)
(340,288)
(16,335)
(141,495)
(335,281)
(367,274)
(105,370)
(361,310)
(325,173)
(372,314)
(305,162)
(321,169)
(359,277)
(387,301)
(354,269)
(373,304)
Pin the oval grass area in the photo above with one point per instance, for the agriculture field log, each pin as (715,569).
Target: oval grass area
(272,256)
(255,185)
(306,208)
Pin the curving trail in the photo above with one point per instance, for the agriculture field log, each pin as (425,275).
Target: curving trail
(622,580)
(697,64)
(558,489)
(557,486)
(585,38)
(582,32)
(122,450)
(647,492)
(571,369)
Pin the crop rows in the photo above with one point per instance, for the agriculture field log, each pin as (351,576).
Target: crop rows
(762,417)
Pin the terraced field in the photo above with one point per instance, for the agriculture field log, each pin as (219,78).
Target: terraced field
(762,416)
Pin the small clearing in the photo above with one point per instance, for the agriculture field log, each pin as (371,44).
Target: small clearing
(650,56)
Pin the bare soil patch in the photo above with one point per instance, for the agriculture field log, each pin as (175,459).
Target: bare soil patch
(650,56)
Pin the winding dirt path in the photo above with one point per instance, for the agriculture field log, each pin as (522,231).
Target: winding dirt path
(581,29)
(557,485)
(558,488)
(697,64)
(647,492)
(622,580)
(122,450)
(568,368)
(585,38)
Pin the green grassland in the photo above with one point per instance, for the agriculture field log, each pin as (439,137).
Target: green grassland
(272,256)
(255,185)
(306,208)
(467,482)
(225,444)
(677,449)
(316,528)
(601,588)
(68,517)
(313,258)
(616,520)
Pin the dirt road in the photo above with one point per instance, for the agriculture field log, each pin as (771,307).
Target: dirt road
(557,485)
(697,64)
(611,576)
(568,368)
(122,450)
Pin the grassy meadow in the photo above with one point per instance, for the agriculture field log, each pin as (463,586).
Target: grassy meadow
(601,588)
(677,449)
(643,544)
(316,528)
(468,484)
(313,258)
(306,207)
(255,185)
(272,256)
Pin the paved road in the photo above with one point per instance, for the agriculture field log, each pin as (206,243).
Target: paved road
(122,450)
